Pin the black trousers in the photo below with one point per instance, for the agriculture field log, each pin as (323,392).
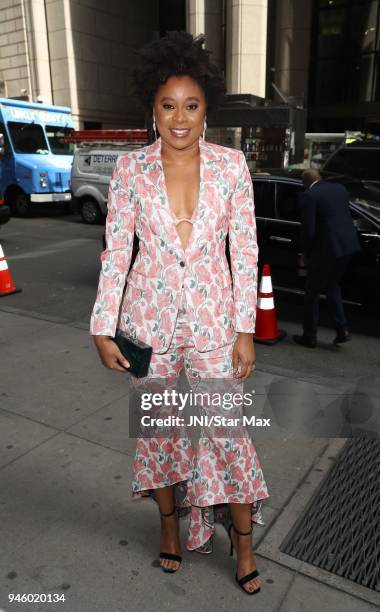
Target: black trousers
(324,277)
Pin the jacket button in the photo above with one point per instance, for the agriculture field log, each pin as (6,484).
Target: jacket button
(182,264)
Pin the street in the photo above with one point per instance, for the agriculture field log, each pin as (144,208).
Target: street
(54,258)
(205,127)
(67,521)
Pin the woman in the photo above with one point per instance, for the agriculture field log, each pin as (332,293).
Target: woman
(182,196)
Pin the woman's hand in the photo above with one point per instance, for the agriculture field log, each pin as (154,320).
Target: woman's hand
(110,354)
(243,356)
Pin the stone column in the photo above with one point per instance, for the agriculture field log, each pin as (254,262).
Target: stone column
(206,17)
(292,56)
(195,17)
(246,46)
(214,21)
(38,50)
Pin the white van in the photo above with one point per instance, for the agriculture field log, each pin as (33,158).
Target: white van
(93,165)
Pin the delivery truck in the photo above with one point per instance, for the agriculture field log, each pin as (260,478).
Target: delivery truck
(35,158)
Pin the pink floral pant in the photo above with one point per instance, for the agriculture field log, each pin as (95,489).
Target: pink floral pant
(221,470)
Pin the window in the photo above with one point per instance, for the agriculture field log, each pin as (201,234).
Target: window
(332,25)
(360,191)
(287,201)
(4,146)
(369,164)
(331,3)
(264,198)
(377,78)
(28,138)
(363,27)
(92,125)
(338,164)
(346,52)
(363,225)
(367,71)
(330,82)
(56,140)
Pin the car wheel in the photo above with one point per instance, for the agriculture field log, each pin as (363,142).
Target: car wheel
(20,204)
(90,211)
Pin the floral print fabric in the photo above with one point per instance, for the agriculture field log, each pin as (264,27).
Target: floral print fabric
(189,307)
(138,201)
(220,470)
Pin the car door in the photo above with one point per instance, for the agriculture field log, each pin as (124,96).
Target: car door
(263,190)
(361,283)
(362,163)
(283,236)
(263,196)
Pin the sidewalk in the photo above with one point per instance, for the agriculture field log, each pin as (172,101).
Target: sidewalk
(68,524)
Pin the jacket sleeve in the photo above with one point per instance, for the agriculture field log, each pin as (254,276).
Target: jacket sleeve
(308,214)
(243,250)
(116,257)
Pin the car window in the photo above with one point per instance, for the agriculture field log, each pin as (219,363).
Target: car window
(338,164)
(369,164)
(361,163)
(361,223)
(264,198)
(373,206)
(56,137)
(4,146)
(28,138)
(287,201)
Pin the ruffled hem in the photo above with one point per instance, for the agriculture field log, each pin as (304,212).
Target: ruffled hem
(203,519)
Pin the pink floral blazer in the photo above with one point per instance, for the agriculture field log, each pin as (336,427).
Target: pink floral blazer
(219,305)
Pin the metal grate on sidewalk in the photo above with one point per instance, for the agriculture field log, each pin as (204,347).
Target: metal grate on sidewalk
(340,529)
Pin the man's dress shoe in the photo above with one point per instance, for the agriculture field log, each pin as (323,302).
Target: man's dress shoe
(305,341)
(342,337)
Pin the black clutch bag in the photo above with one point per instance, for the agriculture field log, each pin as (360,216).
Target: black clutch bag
(135,351)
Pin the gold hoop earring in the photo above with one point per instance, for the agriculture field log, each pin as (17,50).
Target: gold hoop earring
(204,130)
(154,127)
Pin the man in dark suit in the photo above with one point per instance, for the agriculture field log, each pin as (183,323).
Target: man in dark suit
(329,240)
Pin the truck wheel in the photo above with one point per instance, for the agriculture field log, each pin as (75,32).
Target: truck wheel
(90,211)
(20,204)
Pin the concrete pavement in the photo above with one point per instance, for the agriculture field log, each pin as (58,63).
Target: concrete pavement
(68,524)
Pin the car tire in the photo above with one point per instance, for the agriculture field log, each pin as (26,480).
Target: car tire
(20,204)
(90,211)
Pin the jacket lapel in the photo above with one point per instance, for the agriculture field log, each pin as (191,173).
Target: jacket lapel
(208,157)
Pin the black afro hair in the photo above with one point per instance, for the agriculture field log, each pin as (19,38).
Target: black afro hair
(177,53)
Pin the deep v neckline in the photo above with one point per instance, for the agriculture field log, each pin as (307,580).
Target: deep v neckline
(195,214)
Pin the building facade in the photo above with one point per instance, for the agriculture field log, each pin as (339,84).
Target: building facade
(75,53)
(328,53)
(79,53)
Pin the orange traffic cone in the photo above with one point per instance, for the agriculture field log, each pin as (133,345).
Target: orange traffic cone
(6,283)
(267,331)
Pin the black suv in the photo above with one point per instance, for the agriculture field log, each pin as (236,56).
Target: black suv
(278,230)
(360,160)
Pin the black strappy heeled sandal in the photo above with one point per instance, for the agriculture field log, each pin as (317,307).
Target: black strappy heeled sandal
(170,556)
(244,579)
